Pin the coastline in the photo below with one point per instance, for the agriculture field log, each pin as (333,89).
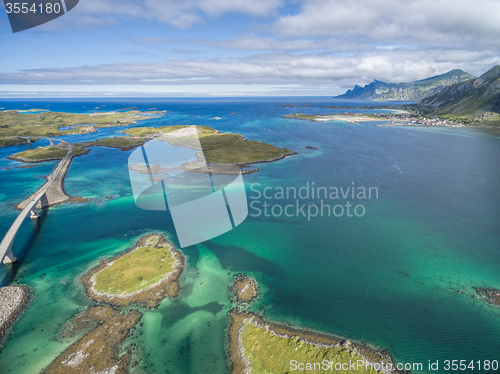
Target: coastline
(150,296)
(13,301)
(240,364)
(97,351)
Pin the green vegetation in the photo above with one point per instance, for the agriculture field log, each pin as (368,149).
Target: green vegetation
(217,147)
(309,117)
(268,353)
(124,143)
(8,141)
(13,123)
(136,270)
(474,102)
(55,152)
(407,91)
(41,154)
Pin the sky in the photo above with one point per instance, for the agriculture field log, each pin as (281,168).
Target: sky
(245,47)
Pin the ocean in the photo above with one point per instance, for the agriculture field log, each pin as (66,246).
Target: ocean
(399,276)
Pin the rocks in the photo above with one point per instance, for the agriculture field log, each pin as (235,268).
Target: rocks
(12,301)
(491,294)
(244,288)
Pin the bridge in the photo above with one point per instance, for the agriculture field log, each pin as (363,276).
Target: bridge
(6,255)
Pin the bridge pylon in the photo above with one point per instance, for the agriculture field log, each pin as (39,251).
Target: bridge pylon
(34,214)
(9,257)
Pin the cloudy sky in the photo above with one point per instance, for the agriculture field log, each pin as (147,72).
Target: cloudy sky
(245,47)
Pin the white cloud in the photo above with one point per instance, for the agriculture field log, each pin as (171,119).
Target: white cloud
(271,68)
(430,21)
(180,14)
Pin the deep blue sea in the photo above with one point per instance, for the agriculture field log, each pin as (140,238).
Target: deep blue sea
(400,276)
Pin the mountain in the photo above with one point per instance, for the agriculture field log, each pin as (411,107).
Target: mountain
(477,98)
(407,91)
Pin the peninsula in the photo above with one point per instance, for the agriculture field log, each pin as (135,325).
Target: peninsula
(346,117)
(145,274)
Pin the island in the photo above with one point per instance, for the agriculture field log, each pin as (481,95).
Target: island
(221,150)
(492,295)
(97,350)
(257,346)
(244,288)
(145,274)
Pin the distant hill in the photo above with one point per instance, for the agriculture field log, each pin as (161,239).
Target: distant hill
(417,90)
(478,98)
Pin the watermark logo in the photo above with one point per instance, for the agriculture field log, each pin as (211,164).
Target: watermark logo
(26,14)
(310,200)
(172,173)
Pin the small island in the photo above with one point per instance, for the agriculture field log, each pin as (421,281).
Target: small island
(260,347)
(492,295)
(244,288)
(145,274)
(97,350)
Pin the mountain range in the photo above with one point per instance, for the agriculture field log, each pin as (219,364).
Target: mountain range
(477,98)
(416,90)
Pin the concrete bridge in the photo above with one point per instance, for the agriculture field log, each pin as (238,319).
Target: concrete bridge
(6,255)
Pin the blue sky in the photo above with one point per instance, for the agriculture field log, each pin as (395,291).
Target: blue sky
(245,47)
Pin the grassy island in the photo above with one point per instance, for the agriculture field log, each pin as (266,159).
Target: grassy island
(260,347)
(145,274)
(40,154)
(218,148)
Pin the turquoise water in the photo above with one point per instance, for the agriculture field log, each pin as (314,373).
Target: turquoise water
(399,277)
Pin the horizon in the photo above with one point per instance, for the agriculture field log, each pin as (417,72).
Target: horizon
(247,48)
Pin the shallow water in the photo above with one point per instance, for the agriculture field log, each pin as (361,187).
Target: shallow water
(399,277)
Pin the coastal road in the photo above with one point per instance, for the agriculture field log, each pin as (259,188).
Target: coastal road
(6,254)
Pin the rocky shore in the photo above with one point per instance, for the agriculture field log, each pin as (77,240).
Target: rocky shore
(491,294)
(150,296)
(294,339)
(13,299)
(244,288)
(97,350)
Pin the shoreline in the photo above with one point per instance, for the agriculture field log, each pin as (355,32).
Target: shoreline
(13,301)
(56,193)
(152,295)
(371,355)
